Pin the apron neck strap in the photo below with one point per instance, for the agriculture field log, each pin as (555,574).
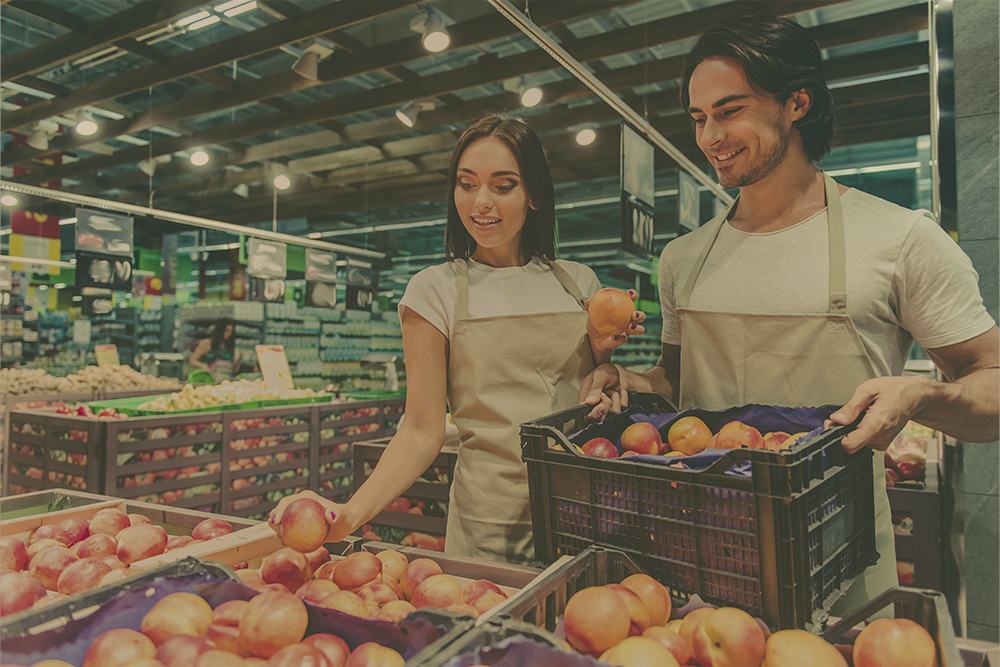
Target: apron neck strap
(462,285)
(565,280)
(838,262)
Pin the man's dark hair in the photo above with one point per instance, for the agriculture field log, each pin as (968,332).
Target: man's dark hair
(779,58)
(538,236)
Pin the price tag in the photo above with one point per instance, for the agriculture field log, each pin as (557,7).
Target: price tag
(81,332)
(107,355)
(274,366)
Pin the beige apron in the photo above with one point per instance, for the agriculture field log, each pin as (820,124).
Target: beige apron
(794,359)
(504,371)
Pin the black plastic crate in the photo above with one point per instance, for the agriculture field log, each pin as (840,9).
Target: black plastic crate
(921,546)
(784,544)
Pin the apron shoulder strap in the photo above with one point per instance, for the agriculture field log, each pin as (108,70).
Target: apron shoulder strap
(565,280)
(683,298)
(461,289)
(838,256)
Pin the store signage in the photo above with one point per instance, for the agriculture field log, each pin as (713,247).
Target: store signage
(638,196)
(81,332)
(267,266)
(100,302)
(321,278)
(107,355)
(104,249)
(100,270)
(274,366)
(688,202)
(359,298)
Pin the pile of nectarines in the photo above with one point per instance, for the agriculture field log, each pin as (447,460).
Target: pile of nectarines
(687,436)
(74,555)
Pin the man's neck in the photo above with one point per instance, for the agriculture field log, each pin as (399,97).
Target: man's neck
(788,195)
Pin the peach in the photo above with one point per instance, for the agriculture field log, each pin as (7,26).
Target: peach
(223,637)
(210,528)
(299,655)
(692,621)
(333,647)
(639,652)
(370,609)
(82,575)
(177,614)
(653,594)
(278,588)
(230,613)
(13,554)
(254,662)
(791,648)
(317,557)
(71,531)
(315,590)
(775,441)
(114,563)
(181,650)
(474,590)
(487,601)
(394,586)
(378,593)
(53,663)
(109,522)
(250,578)
(637,611)
(35,548)
(357,570)
(601,448)
(729,637)
(50,597)
(393,563)
(303,525)
(287,567)
(736,434)
(610,311)
(218,658)
(463,609)
(48,565)
(118,648)
(416,572)
(140,542)
(371,654)
(396,610)
(178,541)
(642,438)
(326,570)
(689,435)
(113,577)
(439,590)
(596,619)
(271,622)
(675,625)
(138,519)
(99,545)
(900,641)
(673,642)
(143,662)
(19,591)
(347,602)
(47,531)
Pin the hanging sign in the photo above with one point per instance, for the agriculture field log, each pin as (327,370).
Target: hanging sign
(688,202)
(267,266)
(638,196)
(321,278)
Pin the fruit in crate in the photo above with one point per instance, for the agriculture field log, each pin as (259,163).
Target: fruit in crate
(13,554)
(610,311)
(642,438)
(790,648)
(82,575)
(271,622)
(333,647)
(177,614)
(653,594)
(729,637)
(110,522)
(119,648)
(315,590)
(49,564)
(371,654)
(303,525)
(347,602)
(894,642)
(357,570)
(210,528)
(71,531)
(639,652)
(596,619)
(181,651)
(439,591)
(299,655)
(673,642)
(689,435)
(418,570)
(600,448)
(393,563)
(140,542)
(637,610)
(736,434)
(286,567)
(19,591)
(98,545)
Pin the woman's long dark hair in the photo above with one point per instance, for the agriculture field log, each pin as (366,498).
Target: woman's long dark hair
(538,236)
(218,336)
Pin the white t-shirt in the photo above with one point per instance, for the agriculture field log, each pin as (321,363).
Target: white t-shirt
(906,278)
(514,290)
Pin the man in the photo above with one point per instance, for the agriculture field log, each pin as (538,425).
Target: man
(806,292)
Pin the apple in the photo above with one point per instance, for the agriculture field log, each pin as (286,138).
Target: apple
(609,311)
(118,648)
(729,637)
(894,642)
(271,622)
(792,648)
(736,434)
(689,435)
(210,528)
(596,619)
(642,438)
(177,614)
(600,448)
(357,570)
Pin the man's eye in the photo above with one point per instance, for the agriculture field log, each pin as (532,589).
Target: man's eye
(729,113)
(699,122)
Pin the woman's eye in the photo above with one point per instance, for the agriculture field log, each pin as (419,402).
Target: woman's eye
(466,186)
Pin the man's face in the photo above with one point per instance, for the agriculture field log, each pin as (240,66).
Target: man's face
(744,133)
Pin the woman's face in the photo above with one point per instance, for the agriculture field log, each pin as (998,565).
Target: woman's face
(490,195)
(227,333)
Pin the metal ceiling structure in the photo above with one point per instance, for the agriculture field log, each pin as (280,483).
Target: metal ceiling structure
(164,79)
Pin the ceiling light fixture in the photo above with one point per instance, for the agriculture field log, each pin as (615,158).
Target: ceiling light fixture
(282,182)
(529,95)
(307,66)
(204,23)
(147,167)
(192,18)
(44,130)
(199,158)
(586,136)
(241,9)
(242,190)
(85,124)
(435,37)
(407,114)
(8,200)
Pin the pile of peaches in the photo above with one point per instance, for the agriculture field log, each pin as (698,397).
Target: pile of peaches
(685,437)
(74,555)
(627,624)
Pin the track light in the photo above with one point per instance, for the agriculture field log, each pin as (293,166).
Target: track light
(435,37)
(43,131)
(242,190)
(407,114)
(307,66)
(8,200)
(199,158)
(282,182)
(85,123)
(147,167)
(586,136)
(529,95)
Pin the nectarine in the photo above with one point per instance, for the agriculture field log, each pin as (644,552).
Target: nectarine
(689,435)
(798,648)
(610,311)
(639,652)
(642,438)
(653,594)
(177,614)
(118,648)
(271,622)
(736,434)
(596,619)
(894,642)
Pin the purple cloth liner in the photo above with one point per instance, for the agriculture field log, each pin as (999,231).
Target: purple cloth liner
(519,651)
(126,610)
(764,418)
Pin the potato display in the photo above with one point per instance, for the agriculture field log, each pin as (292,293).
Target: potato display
(121,378)
(225,393)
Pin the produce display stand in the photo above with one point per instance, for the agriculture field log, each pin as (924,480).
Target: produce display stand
(923,547)
(431,489)
(783,543)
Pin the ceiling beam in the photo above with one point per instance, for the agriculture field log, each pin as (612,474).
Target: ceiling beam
(127,23)
(326,18)
(51,13)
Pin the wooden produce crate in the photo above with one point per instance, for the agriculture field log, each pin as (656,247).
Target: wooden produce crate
(48,451)
(429,494)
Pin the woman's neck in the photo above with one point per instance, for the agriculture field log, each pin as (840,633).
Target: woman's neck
(499,258)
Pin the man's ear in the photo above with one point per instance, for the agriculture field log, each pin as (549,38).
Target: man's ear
(798,105)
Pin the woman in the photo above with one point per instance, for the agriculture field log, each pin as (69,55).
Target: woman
(498,334)
(217,354)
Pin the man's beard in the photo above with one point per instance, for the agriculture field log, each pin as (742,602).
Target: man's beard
(768,162)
